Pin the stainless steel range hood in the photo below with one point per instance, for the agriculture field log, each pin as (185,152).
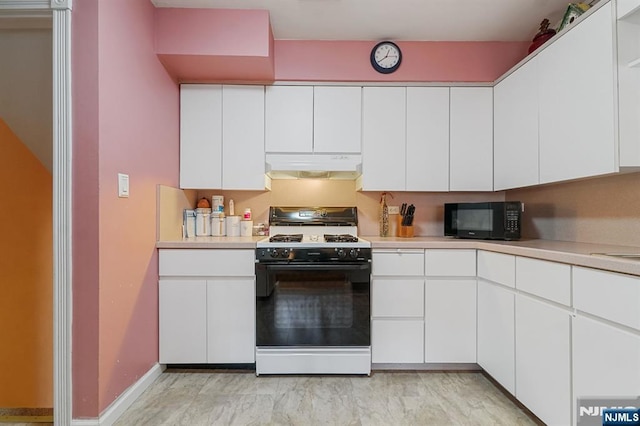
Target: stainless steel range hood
(319,166)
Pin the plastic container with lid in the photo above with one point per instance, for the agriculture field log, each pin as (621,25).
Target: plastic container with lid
(247,214)
(203,222)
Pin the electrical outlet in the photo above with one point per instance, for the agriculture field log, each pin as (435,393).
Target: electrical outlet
(394,209)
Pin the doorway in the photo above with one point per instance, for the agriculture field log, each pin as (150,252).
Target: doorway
(59,13)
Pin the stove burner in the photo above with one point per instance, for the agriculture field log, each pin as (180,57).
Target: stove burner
(340,238)
(286,238)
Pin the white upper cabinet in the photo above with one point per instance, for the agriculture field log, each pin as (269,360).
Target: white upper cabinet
(289,119)
(626,8)
(222,137)
(471,140)
(383,138)
(577,131)
(515,142)
(243,137)
(628,34)
(200,136)
(427,139)
(337,119)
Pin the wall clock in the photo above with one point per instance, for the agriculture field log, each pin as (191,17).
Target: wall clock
(386,57)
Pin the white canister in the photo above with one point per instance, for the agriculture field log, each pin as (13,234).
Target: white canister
(233,226)
(217,203)
(203,222)
(217,224)
(246,228)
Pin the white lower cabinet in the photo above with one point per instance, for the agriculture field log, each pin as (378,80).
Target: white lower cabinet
(496,333)
(396,340)
(397,306)
(606,334)
(450,320)
(543,359)
(397,329)
(450,306)
(231,321)
(206,306)
(606,360)
(183,321)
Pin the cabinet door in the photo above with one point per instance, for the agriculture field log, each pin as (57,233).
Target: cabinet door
(397,341)
(450,321)
(450,262)
(497,267)
(471,141)
(231,321)
(606,360)
(200,136)
(182,321)
(515,115)
(243,137)
(549,280)
(614,297)
(289,119)
(397,298)
(337,119)
(397,262)
(577,137)
(427,138)
(543,360)
(383,138)
(496,333)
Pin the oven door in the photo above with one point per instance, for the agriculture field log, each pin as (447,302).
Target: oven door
(313,304)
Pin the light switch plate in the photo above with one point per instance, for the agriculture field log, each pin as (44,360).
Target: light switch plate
(123,185)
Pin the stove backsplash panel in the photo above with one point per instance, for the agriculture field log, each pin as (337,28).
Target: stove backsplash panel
(320,192)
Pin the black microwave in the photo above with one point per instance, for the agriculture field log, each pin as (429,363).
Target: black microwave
(490,221)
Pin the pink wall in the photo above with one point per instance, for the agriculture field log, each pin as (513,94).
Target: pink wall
(133,111)
(85,208)
(215,44)
(203,45)
(421,61)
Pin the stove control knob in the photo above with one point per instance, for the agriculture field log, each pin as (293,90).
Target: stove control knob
(275,253)
(342,254)
(353,253)
(285,252)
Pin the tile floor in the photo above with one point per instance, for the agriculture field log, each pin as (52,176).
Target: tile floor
(386,398)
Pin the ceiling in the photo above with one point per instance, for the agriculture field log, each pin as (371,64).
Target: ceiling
(409,20)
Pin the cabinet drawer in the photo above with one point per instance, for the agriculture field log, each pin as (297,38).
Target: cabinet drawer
(397,298)
(450,263)
(497,267)
(397,341)
(609,295)
(398,262)
(550,280)
(206,262)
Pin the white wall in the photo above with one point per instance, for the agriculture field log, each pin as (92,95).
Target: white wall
(26,91)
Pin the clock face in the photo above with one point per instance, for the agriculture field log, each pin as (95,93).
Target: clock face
(386,57)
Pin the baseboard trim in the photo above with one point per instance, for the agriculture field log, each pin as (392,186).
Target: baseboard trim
(124,401)
(431,366)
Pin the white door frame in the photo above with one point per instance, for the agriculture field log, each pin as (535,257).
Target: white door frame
(60,12)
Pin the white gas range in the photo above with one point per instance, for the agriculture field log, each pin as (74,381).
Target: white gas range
(313,293)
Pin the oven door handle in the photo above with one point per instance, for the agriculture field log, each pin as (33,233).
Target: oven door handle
(317,267)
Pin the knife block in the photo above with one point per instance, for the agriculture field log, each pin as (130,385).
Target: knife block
(403,231)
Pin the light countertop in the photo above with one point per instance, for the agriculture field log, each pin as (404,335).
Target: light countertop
(556,251)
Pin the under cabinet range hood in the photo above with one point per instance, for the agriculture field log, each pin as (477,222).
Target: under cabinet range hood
(318,166)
